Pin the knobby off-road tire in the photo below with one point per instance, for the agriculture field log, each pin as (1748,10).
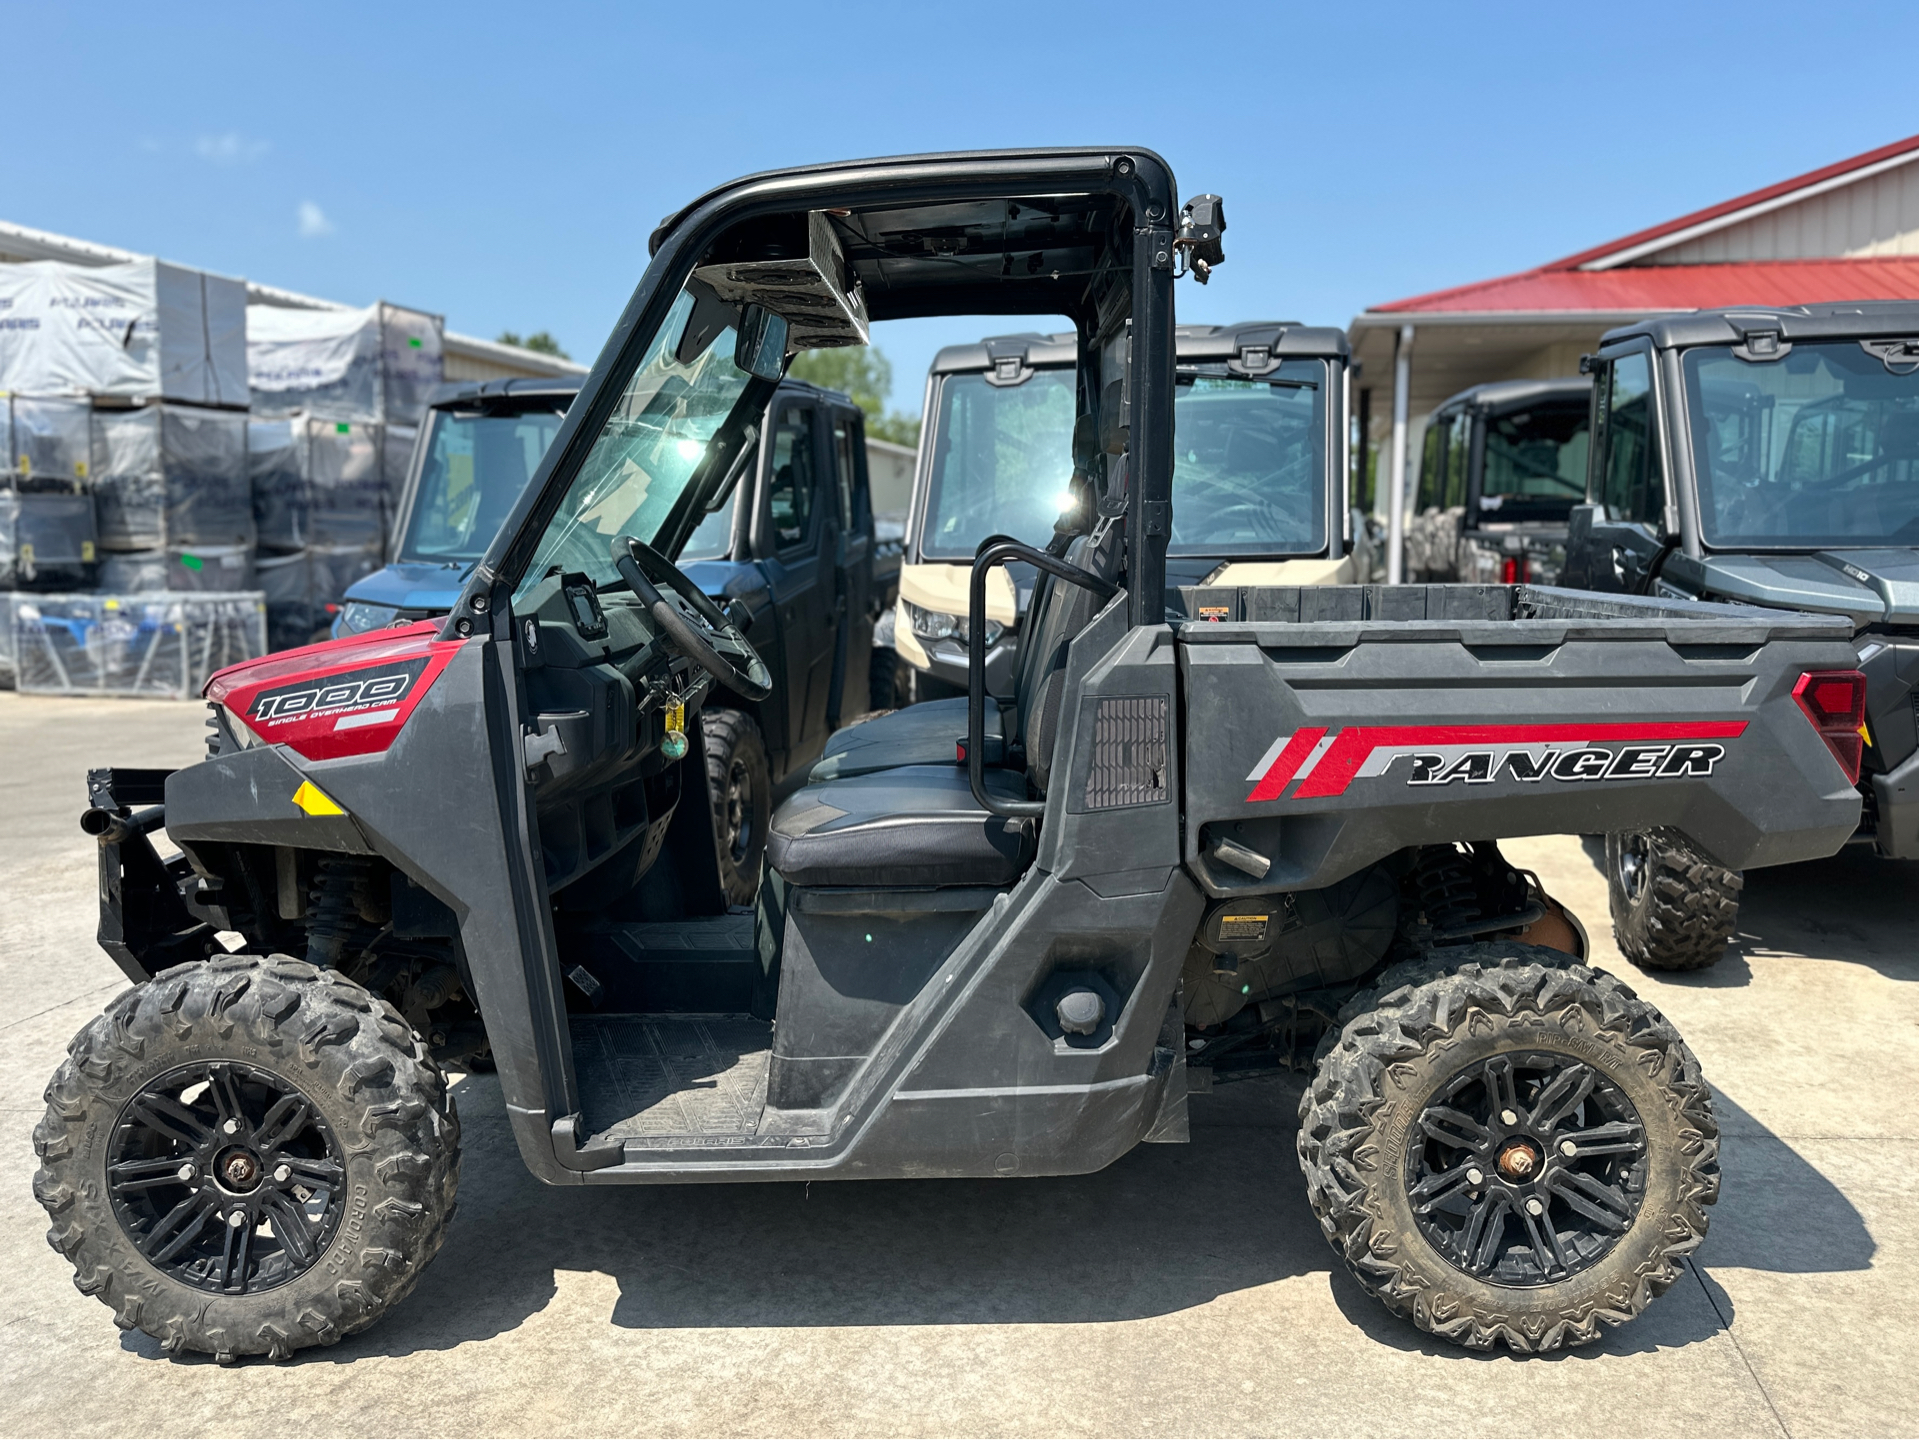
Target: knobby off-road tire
(1672,908)
(1435,1037)
(314,1093)
(741,784)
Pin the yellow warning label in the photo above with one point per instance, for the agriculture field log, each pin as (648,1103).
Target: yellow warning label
(315,801)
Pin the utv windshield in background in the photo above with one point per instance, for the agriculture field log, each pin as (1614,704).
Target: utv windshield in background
(648,451)
(475,467)
(1535,467)
(1818,449)
(1249,472)
(1002,462)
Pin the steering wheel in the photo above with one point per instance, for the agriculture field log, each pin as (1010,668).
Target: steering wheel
(695,623)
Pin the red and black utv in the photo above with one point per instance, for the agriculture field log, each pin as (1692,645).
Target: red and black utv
(1217,832)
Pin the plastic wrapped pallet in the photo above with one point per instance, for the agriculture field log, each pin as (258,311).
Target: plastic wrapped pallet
(46,541)
(305,589)
(133,572)
(133,645)
(6,640)
(376,364)
(344,489)
(317,482)
(49,439)
(278,483)
(396,453)
(171,475)
(144,329)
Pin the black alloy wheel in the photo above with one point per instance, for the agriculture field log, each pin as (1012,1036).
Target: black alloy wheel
(225,1178)
(1524,1169)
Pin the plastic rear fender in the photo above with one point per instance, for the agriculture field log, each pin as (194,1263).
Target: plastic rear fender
(1356,742)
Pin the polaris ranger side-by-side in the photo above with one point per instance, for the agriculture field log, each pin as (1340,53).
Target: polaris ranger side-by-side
(1502,466)
(791,539)
(1771,458)
(1259,839)
(1259,467)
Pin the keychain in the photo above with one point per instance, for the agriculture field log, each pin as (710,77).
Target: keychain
(674,745)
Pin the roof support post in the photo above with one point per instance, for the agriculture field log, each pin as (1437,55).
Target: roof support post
(1396,475)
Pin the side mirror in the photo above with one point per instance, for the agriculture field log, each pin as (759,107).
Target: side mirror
(761,349)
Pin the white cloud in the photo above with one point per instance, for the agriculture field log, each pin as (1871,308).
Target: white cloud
(313,221)
(232,148)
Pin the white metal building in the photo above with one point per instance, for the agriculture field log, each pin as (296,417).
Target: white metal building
(467,356)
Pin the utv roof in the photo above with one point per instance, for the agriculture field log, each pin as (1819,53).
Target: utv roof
(1283,339)
(1499,396)
(994,231)
(1842,320)
(531,392)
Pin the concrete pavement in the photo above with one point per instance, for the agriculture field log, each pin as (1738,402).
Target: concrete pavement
(1185,1290)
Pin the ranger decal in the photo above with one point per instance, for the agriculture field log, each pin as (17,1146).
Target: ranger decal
(1326,762)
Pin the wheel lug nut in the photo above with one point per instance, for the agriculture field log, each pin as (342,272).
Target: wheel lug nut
(1568,1149)
(186,1174)
(232,1127)
(237,1219)
(1475,1177)
(1506,1117)
(1533,1207)
(282,1174)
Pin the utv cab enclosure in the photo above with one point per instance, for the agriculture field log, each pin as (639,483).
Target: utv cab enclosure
(1502,467)
(1769,458)
(790,539)
(1259,420)
(1197,847)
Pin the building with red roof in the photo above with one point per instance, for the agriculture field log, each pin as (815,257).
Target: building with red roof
(1849,231)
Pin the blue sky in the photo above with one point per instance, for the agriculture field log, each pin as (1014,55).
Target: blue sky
(504,164)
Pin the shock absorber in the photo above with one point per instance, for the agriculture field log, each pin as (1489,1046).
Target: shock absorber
(1444,881)
(338,915)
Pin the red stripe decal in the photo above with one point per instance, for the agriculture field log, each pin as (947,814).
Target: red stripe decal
(1349,750)
(1287,765)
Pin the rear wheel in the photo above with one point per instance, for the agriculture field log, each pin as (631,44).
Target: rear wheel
(741,784)
(247,1156)
(1508,1147)
(1672,908)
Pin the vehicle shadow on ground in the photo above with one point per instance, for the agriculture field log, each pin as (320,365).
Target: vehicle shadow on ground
(1832,906)
(1166,1228)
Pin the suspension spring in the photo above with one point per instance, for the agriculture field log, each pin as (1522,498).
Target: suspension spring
(1447,893)
(337,923)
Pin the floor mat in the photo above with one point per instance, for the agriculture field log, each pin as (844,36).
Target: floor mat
(657,1079)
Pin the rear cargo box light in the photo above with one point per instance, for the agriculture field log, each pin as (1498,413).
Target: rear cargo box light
(1835,702)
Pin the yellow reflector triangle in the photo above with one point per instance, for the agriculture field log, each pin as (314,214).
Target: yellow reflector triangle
(315,801)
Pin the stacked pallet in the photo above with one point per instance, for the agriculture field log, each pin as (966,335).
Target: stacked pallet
(162,511)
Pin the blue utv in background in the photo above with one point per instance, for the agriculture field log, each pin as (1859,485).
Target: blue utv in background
(787,546)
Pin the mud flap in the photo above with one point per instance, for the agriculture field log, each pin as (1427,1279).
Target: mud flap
(1169,1059)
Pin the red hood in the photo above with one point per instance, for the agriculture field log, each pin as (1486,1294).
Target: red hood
(350,696)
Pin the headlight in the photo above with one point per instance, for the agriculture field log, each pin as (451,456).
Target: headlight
(238,729)
(937,625)
(358,616)
(933,624)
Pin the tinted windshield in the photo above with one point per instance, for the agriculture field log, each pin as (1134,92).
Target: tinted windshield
(473,471)
(1818,449)
(1535,465)
(1249,473)
(1002,459)
(648,451)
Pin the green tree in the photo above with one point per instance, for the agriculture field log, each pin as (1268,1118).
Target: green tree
(540,341)
(865,374)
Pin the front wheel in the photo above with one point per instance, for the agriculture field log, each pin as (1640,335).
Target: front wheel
(1672,908)
(247,1156)
(741,784)
(1507,1147)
